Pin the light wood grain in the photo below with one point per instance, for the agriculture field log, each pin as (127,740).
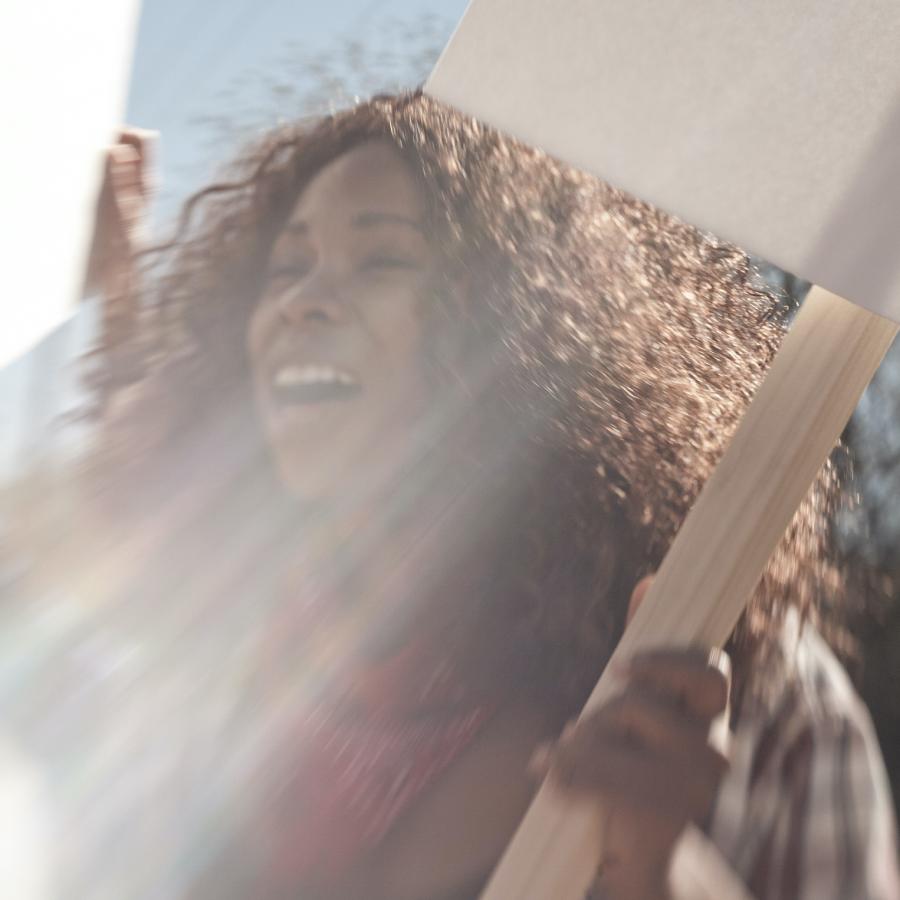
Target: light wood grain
(814,383)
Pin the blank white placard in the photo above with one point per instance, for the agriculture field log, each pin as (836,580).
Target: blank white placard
(773,125)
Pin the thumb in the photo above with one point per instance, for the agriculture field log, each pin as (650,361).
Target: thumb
(637,597)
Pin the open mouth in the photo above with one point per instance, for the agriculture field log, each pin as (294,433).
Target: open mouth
(308,385)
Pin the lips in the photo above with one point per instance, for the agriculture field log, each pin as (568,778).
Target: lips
(296,385)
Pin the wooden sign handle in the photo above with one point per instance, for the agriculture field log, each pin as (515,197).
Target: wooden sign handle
(815,381)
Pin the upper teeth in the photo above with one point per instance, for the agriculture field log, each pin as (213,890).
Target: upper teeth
(288,376)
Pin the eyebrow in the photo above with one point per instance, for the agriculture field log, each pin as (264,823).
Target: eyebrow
(373,219)
(368,219)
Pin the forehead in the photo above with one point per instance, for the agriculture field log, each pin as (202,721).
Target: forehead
(370,177)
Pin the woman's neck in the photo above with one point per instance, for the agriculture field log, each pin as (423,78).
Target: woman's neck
(381,559)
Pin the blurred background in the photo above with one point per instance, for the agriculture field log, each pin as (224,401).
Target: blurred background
(210,74)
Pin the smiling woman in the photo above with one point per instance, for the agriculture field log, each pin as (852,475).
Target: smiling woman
(403,415)
(336,337)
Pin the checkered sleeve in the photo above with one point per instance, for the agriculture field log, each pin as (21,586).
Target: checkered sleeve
(839,840)
(833,836)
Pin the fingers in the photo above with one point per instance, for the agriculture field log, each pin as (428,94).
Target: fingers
(140,138)
(697,680)
(129,170)
(142,144)
(648,720)
(119,215)
(650,747)
(127,188)
(594,759)
(643,722)
(637,597)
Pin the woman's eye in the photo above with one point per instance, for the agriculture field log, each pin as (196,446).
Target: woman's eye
(286,274)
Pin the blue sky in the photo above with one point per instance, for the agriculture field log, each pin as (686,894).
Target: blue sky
(197,57)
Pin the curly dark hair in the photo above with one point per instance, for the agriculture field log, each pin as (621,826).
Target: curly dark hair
(611,351)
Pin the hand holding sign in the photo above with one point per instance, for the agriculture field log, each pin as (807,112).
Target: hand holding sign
(657,754)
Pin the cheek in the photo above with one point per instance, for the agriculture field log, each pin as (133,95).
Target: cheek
(398,331)
(262,323)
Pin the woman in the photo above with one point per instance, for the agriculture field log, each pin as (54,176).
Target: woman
(406,412)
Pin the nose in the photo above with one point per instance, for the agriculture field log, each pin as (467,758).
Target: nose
(315,300)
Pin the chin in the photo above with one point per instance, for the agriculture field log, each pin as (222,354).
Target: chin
(306,485)
(319,484)
(340,475)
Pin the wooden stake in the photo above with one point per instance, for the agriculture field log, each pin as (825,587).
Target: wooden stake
(717,558)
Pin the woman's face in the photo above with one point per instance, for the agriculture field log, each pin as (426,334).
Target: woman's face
(335,341)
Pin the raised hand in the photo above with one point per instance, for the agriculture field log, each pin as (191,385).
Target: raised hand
(121,210)
(648,756)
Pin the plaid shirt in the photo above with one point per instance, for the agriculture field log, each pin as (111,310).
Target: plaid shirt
(805,812)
